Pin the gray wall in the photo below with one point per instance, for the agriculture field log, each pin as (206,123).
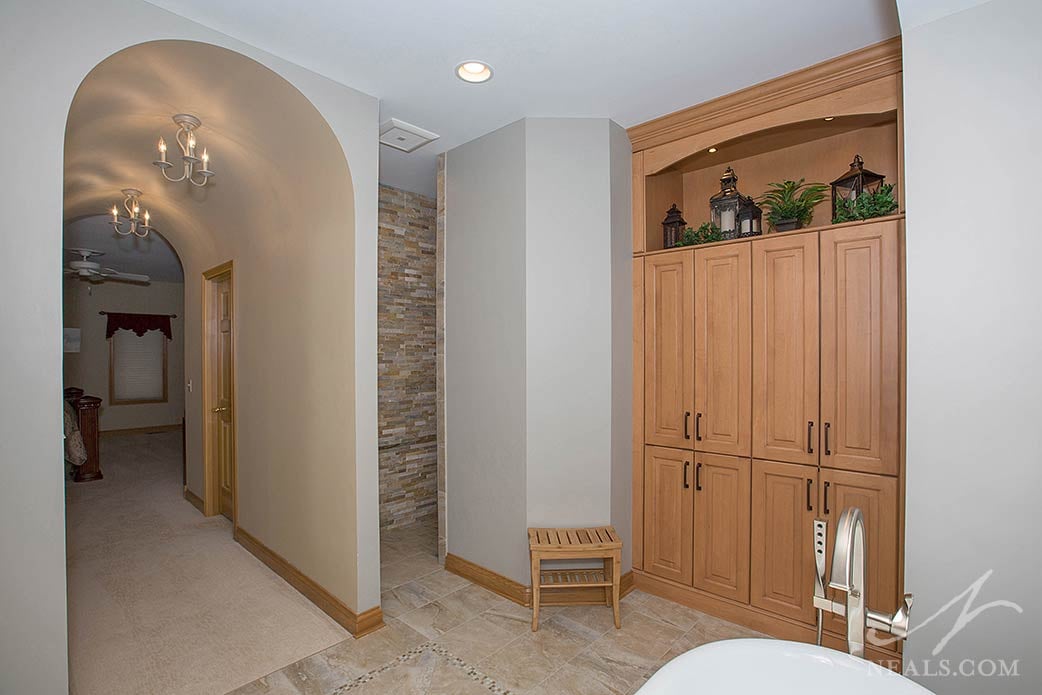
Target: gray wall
(972,105)
(485,350)
(555,249)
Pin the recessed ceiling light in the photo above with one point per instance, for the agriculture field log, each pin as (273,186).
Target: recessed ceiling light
(712,150)
(474,71)
(830,118)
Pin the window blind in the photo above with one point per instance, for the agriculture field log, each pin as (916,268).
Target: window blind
(138,366)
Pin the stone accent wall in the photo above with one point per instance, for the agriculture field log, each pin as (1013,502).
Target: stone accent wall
(406,355)
(443,510)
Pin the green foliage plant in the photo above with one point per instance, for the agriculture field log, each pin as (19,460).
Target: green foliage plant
(792,200)
(706,233)
(866,206)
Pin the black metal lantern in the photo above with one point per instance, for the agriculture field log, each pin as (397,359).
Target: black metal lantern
(672,227)
(852,184)
(735,214)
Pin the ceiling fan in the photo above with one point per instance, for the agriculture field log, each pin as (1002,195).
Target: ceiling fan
(86,269)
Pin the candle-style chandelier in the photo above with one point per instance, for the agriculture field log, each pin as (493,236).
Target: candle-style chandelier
(137,223)
(186,124)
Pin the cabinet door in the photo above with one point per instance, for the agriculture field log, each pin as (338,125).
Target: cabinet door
(783,501)
(669,349)
(860,353)
(785,348)
(721,540)
(638,411)
(668,513)
(723,350)
(876,496)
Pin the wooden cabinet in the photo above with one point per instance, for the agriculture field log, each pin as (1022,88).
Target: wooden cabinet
(785,348)
(784,498)
(669,351)
(638,413)
(721,537)
(723,350)
(860,352)
(876,496)
(668,513)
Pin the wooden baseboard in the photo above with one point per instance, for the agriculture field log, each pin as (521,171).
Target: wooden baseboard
(521,594)
(357,624)
(752,617)
(196,501)
(154,429)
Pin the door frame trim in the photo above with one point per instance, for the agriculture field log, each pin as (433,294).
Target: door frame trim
(211,491)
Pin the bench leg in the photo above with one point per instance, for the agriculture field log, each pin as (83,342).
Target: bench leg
(535,591)
(616,562)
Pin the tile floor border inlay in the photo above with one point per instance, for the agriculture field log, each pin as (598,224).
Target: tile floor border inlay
(473,673)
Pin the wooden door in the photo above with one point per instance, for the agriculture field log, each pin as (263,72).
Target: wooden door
(637,451)
(219,384)
(721,537)
(876,496)
(784,499)
(860,352)
(669,350)
(785,348)
(668,513)
(723,350)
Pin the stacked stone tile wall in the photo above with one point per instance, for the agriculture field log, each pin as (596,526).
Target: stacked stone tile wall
(407,359)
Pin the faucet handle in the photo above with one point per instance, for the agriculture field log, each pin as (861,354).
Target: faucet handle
(899,624)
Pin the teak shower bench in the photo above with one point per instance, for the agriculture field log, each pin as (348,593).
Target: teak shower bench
(600,542)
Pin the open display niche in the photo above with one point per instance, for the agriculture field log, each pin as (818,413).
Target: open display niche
(817,150)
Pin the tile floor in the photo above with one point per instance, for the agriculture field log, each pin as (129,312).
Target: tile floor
(447,636)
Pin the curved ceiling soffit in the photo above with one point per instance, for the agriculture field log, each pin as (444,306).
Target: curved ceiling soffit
(279,165)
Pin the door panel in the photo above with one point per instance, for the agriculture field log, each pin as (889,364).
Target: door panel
(638,407)
(876,496)
(668,513)
(784,497)
(669,353)
(723,350)
(721,538)
(860,360)
(785,348)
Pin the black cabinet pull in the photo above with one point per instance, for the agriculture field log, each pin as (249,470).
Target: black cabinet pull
(810,484)
(698,476)
(687,464)
(826,497)
(698,427)
(687,419)
(810,435)
(828,451)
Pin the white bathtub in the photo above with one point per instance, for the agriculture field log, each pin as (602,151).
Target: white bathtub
(774,667)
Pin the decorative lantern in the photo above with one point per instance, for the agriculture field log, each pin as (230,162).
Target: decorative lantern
(672,227)
(735,214)
(852,184)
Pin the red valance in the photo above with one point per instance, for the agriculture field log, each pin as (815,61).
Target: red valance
(139,323)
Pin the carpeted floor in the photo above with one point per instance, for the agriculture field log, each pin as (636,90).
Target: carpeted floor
(161,599)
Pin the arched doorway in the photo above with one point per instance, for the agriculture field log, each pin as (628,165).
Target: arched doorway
(281,208)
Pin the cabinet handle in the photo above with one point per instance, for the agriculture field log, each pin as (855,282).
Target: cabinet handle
(687,419)
(687,465)
(698,476)
(810,435)
(826,505)
(698,427)
(810,484)
(828,451)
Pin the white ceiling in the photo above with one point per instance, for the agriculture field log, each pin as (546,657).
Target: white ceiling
(152,255)
(629,61)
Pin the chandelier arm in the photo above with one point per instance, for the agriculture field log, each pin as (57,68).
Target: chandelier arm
(167,177)
(183,145)
(196,183)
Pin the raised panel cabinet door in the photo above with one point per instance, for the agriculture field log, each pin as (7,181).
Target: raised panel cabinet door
(669,349)
(876,496)
(784,498)
(638,413)
(721,539)
(723,350)
(668,513)
(785,348)
(860,350)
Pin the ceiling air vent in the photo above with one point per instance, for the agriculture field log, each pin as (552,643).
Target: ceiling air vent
(404,136)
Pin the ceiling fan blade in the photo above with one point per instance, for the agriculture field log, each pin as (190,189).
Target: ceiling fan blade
(126,277)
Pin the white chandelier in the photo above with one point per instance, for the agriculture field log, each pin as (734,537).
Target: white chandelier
(186,124)
(137,224)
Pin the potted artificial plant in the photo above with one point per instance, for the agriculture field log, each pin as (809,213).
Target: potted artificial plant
(790,204)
